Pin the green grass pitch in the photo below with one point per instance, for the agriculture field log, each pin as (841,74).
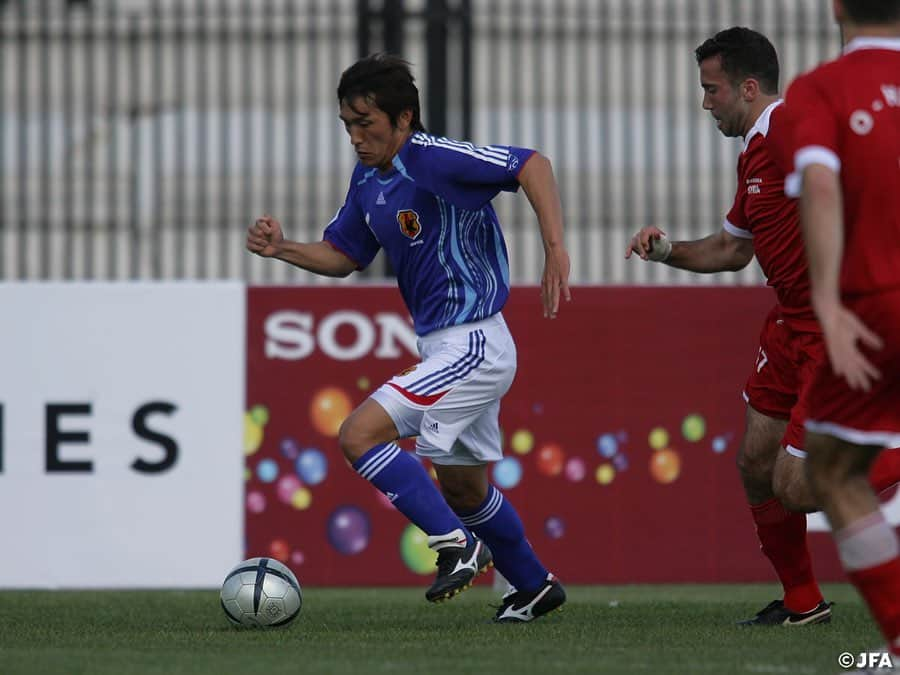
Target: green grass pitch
(678,629)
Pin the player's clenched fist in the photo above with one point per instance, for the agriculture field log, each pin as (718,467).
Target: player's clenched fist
(650,244)
(265,237)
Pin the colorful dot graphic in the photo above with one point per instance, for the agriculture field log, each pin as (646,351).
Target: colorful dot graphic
(301,499)
(287,486)
(658,438)
(254,421)
(267,470)
(312,466)
(550,459)
(260,415)
(415,552)
(607,445)
(256,502)
(349,530)
(605,474)
(575,469)
(329,408)
(665,465)
(507,472)
(522,441)
(289,448)
(555,527)
(693,428)
(620,462)
(280,550)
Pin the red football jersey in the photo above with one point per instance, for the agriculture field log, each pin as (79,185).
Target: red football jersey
(763,212)
(845,114)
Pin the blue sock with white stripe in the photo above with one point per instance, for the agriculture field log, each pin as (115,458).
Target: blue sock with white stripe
(498,525)
(406,483)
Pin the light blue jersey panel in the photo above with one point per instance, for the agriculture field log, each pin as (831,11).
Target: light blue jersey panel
(431,213)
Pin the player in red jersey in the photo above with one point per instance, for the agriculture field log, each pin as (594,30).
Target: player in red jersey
(845,135)
(739,75)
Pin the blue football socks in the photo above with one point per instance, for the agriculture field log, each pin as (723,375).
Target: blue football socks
(406,483)
(498,525)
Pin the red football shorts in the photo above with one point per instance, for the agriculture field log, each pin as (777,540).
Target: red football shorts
(863,418)
(779,385)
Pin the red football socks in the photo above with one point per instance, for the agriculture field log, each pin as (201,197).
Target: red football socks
(782,536)
(880,587)
(870,555)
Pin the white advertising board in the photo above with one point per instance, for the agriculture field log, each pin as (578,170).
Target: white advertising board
(120,434)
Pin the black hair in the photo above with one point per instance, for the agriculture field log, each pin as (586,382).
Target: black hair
(744,53)
(388,82)
(872,11)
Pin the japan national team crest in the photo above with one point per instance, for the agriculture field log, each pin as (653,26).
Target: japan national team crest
(409,223)
(407,371)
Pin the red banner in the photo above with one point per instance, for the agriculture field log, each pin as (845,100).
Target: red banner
(620,434)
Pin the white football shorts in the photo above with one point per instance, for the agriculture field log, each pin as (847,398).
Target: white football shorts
(451,400)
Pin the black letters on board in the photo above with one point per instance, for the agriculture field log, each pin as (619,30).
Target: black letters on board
(168,444)
(56,437)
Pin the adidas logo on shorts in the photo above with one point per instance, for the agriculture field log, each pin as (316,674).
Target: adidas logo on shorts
(432,426)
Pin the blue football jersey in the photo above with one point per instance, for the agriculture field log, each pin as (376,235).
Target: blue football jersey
(432,214)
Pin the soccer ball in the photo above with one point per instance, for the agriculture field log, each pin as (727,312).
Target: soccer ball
(261,592)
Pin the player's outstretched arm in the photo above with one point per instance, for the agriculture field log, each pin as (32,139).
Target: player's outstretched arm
(719,252)
(266,238)
(539,184)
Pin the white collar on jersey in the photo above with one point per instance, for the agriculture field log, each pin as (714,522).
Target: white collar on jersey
(872,43)
(762,123)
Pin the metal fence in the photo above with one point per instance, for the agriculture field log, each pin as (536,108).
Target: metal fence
(139,138)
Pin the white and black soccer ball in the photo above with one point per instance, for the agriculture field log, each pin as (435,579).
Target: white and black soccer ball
(261,592)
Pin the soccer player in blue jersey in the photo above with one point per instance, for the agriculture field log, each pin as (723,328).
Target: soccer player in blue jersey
(427,202)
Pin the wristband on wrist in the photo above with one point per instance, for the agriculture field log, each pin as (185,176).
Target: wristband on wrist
(660,249)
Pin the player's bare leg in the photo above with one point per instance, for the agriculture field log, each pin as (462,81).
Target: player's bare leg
(839,476)
(366,427)
(782,533)
(885,470)
(757,455)
(790,485)
(464,487)
(367,440)
(486,512)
